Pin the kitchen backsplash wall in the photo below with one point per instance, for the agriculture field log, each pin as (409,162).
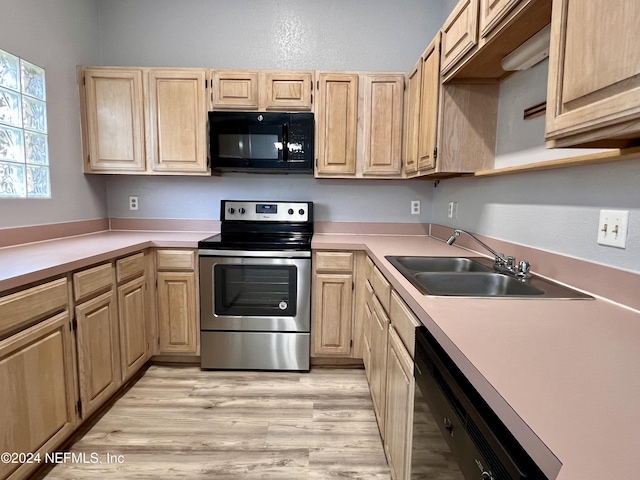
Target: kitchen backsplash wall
(56,35)
(334,200)
(555,210)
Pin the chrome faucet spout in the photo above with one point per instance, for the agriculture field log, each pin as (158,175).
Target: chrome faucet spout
(456,234)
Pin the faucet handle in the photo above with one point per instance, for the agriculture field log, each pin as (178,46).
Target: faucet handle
(511,262)
(524,269)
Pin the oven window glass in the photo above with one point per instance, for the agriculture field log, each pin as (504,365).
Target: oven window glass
(255,290)
(251,146)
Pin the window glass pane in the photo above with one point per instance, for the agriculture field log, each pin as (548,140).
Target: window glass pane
(10,107)
(11,144)
(12,180)
(9,71)
(35,145)
(32,80)
(24,153)
(37,181)
(34,114)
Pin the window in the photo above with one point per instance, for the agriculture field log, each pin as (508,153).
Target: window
(24,155)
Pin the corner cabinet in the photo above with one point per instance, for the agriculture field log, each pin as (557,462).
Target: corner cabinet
(593,96)
(144,121)
(37,374)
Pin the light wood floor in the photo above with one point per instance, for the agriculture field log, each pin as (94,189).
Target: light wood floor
(181,422)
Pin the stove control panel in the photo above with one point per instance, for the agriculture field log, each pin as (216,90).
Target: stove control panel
(251,211)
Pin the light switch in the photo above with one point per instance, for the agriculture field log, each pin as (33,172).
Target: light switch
(612,228)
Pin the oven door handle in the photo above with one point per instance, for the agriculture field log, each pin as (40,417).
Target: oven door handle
(256,253)
(285,142)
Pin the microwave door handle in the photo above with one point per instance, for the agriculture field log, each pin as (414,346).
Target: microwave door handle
(285,142)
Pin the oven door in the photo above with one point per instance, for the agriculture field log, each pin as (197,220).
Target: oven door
(240,293)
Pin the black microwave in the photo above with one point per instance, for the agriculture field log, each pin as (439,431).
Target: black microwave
(261,142)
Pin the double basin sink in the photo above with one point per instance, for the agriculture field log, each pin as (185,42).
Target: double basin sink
(474,277)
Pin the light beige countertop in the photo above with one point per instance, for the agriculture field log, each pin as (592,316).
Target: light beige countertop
(33,262)
(561,374)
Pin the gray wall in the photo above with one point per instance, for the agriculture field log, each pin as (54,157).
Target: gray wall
(56,35)
(556,210)
(378,35)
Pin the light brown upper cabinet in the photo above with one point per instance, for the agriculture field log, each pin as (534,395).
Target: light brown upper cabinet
(593,96)
(177,120)
(261,90)
(288,91)
(336,124)
(359,125)
(144,121)
(382,124)
(114,114)
(429,96)
(459,33)
(480,33)
(450,128)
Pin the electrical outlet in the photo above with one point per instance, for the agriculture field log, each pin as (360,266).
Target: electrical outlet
(133,203)
(452,211)
(415,207)
(612,228)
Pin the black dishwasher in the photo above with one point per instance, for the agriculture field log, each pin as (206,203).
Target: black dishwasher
(479,445)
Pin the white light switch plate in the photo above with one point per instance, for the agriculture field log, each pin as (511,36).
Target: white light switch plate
(612,228)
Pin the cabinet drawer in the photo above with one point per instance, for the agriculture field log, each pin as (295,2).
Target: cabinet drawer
(368,269)
(381,287)
(334,262)
(130,267)
(27,306)
(404,321)
(176,259)
(92,281)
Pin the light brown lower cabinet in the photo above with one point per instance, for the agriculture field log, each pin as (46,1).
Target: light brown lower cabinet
(133,326)
(177,322)
(399,408)
(378,376)
(177,301)
(38,395)
(98,345)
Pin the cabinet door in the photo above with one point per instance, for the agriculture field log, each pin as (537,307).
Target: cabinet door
(399,408)
(459,33)
(98,351)
(38,391)
(594,69)
(115,120)
(332,314)
(382,124)
(177,320)
(133,330)
(337,119)
(429,96)
(492,12)
(412,119)
(378,377)
(177,121)
(234,90)
(287,91)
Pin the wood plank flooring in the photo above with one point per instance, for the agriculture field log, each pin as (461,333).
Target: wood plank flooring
(181,422)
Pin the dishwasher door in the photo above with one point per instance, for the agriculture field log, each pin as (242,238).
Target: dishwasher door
(480,445)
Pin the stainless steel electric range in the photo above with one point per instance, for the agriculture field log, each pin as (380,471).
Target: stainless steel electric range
(255,287)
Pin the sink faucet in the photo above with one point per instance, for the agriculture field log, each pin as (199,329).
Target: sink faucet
(502,264)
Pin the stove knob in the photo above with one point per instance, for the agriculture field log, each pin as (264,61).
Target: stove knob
(291,211)
(301,211)
(241,211)
(231,210)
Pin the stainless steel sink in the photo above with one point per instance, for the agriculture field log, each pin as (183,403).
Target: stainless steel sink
(475,277)
(475,284)
(440,264)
